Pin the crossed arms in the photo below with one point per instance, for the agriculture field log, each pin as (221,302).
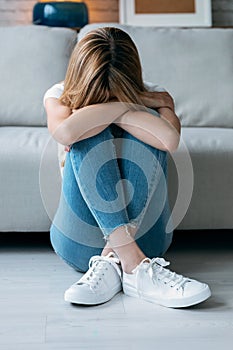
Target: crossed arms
(162,132)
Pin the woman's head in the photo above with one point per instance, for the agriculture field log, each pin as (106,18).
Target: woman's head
(104,66)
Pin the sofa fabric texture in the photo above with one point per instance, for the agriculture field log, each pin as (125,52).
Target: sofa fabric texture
(32,59)
(194,65)
(21,206)
(211,151)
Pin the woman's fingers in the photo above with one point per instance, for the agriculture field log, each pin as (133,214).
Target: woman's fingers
(154,99)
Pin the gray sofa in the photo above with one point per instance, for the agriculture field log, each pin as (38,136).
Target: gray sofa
(194,65)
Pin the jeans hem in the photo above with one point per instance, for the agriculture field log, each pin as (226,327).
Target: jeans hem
(129,224)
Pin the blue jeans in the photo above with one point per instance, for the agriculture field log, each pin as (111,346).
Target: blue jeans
(109,180)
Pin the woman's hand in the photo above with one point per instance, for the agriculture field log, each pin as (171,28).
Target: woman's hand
(162,133)
(164,104)
(155,100)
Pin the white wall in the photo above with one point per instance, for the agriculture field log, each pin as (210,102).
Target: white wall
(14,12)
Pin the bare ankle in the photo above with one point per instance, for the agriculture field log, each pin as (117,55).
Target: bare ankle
(128,266)
(123,243)
(106,251)
(130,256)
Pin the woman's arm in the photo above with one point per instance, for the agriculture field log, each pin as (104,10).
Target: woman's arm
(157,132)
(162,133)
(170,116)
(68,127)
(56,113)
(163,103)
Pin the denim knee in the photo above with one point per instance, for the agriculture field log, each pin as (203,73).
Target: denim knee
(96,169)
(90,142)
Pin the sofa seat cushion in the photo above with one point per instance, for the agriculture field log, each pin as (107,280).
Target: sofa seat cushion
(21,151)
(211,151)
(32,59)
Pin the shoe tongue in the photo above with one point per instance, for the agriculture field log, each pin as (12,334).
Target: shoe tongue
(143,263)
(111,255)
(160,262)
(114,257)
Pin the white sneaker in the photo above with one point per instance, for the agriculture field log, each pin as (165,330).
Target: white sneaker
(99,284)
(152,282)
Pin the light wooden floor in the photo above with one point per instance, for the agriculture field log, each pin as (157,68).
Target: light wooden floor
(34,316)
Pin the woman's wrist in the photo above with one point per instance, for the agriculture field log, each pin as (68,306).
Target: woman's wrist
(169,115)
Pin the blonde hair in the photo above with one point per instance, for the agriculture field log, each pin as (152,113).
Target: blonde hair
(103,67)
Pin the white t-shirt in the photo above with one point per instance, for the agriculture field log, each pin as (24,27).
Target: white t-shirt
(56,92)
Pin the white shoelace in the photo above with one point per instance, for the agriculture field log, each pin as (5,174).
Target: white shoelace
(97,267)
(156,268)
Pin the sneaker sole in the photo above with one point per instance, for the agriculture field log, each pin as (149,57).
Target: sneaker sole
(77,300)
(172,303)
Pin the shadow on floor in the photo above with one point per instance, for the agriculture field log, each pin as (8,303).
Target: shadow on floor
(202,240)
(182,240)
(25,240)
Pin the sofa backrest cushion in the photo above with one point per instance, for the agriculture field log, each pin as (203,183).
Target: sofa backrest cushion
(194,65)
(32,59)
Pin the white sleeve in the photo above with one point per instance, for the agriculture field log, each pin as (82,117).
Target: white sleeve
(55,91)
(153,87)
